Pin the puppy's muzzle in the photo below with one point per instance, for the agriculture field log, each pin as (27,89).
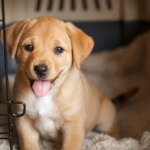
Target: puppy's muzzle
(41,70)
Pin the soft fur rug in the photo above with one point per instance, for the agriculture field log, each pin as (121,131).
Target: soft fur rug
(94,141)
(114,73)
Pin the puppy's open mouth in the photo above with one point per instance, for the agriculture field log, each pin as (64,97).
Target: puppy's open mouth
(42,87)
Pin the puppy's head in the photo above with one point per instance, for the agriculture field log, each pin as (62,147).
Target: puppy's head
(46,48)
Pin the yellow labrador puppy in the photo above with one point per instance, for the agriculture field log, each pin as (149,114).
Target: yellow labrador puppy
(62,104)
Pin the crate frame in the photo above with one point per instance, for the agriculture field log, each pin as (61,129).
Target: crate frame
(8,102)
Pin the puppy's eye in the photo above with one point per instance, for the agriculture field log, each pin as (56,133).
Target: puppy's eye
(29,48)
(58,50)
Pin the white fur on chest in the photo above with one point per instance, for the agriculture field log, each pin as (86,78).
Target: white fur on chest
(44,112)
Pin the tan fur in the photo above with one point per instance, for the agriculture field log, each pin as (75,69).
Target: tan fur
(78,106)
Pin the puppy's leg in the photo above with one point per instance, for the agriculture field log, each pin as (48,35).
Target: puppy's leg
(73,134)
(107,121)
(28,135)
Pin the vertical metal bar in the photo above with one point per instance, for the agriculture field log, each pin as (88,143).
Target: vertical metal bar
(84,4)
(122,24)
(50,3)
(109,5)
(38,5)
(72,4)
(6,75)
(97,5)
(61,5)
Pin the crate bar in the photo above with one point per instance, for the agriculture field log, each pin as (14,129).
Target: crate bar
(61,4)
(5,115)
(97,5)
(3,138)
(109,5)
(5,132)
(50,4)
(6,74)
(84,3)
(5,102)
(4,124)
(73,6)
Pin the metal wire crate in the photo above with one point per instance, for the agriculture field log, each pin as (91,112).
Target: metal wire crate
(8,102)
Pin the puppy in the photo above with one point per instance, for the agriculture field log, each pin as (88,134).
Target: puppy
(62,104)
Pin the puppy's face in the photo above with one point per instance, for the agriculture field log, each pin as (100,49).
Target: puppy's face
(45,50)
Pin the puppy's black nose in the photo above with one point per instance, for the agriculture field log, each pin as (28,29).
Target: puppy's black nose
(40,70)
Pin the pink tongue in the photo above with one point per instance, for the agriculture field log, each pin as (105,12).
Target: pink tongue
(41,87)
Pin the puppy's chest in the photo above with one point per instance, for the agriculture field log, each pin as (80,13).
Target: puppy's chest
(45,114)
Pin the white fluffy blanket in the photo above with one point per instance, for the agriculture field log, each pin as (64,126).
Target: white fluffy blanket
(95,141)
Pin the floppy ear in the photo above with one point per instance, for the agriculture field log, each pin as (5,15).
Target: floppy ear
(13,34)
(82,44)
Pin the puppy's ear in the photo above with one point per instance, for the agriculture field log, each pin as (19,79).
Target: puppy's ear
(13,34)
(82,44)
